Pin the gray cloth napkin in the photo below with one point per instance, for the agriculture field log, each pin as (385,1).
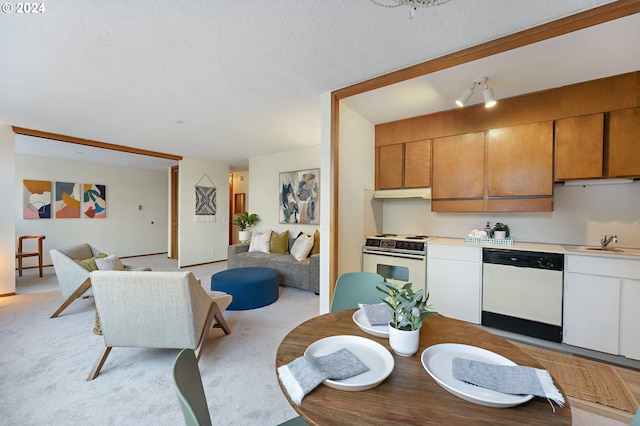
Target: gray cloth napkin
(303,374)
(516,380)
(377,314)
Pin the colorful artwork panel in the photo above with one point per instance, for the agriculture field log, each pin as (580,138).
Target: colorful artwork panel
(299,193)
(36,199)
(94,199)
(67,204)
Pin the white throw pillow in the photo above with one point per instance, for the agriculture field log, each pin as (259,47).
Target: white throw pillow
(260,242)
(302,247)
(109,263)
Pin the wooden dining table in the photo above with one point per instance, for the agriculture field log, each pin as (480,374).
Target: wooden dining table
(409,395)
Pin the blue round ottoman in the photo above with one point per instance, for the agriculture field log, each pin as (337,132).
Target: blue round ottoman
(251,287)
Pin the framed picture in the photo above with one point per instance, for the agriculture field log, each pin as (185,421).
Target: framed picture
(36,199)
(299,197)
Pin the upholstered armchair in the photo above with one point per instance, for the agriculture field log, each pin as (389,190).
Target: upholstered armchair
(168,310)
(73,276)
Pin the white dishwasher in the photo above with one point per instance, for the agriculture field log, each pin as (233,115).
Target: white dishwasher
(522,292)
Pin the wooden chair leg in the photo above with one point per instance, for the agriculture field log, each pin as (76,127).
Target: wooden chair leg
(207,325)
(20,266)
(220,321)
(83,287)
(99,363)
(40,264)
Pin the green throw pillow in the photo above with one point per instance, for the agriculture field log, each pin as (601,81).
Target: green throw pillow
(316,243)
(90,263)
(279,243)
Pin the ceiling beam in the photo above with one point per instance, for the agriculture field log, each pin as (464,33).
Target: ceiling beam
(95,144)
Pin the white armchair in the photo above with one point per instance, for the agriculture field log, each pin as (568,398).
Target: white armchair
(155,310)
(73,277)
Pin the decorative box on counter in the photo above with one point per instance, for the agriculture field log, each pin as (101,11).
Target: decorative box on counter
(506,242)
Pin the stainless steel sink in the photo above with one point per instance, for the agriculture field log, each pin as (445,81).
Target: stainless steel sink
(608,250)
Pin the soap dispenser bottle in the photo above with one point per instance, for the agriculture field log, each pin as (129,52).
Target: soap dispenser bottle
(488,229)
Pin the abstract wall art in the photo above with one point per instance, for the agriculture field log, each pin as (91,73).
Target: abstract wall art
(67,201)
(94,199)
(36,199)
(299,194)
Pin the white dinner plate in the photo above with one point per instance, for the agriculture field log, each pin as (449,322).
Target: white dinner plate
(437,360)
(360,318)
(370,353)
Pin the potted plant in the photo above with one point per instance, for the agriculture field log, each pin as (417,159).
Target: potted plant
(243,221)
(501,231)
(410,309)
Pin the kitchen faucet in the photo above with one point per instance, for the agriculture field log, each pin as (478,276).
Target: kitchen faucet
(606,240)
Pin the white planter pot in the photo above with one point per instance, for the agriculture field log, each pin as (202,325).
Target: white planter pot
(500,235)
(244,236)
(404,342)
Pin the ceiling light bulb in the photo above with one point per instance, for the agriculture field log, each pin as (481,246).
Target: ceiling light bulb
(489,99)
(464,97)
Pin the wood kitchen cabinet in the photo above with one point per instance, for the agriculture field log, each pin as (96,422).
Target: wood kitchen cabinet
(458,173)
(579,147)
(624,143)
(417,164)
(454,281)
(600,308)
(406,165)
(520,160)
(506,169)
(389,166)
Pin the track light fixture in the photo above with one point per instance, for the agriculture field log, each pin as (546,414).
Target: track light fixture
(489,99)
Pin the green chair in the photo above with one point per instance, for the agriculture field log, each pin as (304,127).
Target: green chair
(188,386)
(356,287)
(296,421)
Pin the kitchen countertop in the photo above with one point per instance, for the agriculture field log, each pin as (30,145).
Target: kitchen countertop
(580,250)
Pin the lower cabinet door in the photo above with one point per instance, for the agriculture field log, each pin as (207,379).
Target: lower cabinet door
(455,288)
(630,319)
(592,312)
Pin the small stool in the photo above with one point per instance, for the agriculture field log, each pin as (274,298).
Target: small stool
(251,287)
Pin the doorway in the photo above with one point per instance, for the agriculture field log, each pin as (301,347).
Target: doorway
(173,244)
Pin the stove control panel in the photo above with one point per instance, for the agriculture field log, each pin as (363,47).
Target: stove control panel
(396,246)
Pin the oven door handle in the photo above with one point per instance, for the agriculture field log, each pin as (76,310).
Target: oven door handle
(394,254)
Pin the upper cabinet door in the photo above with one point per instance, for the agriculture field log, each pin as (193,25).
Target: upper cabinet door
(579,147)
(390,164)
(624,143)
(458,166)
(520,160)
(417,164)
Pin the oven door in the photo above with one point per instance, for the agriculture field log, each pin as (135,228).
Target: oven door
(399,267)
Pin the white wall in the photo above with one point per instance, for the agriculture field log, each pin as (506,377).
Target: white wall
(126,231)
(582,215)
(357,172)
(264,187)
(202,242)
(7,220)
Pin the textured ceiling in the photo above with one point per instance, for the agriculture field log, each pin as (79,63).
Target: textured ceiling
(225,80)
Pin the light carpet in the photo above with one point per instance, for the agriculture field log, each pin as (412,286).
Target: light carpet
(44,363)
(586,380)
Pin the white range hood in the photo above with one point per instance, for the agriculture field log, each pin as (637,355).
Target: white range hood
(424,193)
(593,182)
